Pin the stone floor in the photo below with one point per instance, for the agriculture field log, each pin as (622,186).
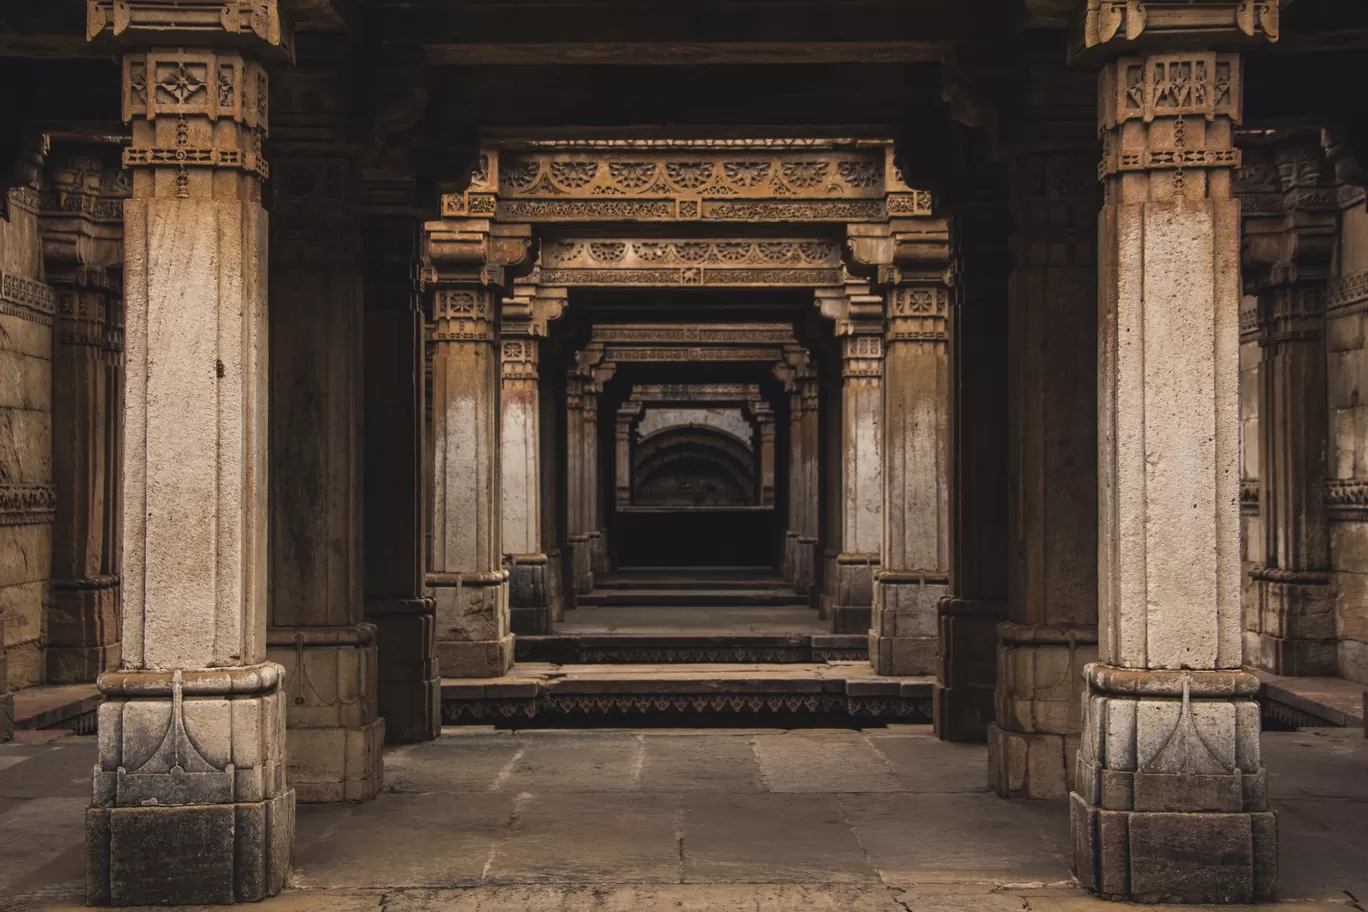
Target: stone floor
(884,820)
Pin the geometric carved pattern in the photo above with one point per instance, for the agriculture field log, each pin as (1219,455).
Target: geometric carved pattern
(26,504)
(27,299)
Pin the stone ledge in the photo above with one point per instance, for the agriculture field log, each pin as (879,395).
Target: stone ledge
(1312,700)
(548,692)
(57,706)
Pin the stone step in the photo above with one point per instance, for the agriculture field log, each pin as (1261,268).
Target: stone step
(669,649)
(689,597)
(793,695)
(686,582)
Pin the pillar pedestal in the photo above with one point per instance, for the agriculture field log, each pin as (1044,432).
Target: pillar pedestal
(529,594)
(1032,745)
(330,687)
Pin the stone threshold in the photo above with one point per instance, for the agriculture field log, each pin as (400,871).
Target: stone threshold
(589,695)
(72,707)
(1312,701)
(673,597)
(671,649)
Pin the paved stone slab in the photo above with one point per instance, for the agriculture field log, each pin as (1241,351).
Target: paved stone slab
(954,838)
(924,763)
(59,769)
(428,840)
(35,833)
(649,898)
(1319,762)
(1322,848)
(824,761)
(589,838)
(769,839)
(701,762)
(452,763)
(602,761)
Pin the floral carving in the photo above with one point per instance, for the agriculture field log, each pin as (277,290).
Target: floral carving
(632,175)
(607,251)
(520,173)
(689,175)
(746,173)
(858,173)
(805,173)
(692,253)
(574,174)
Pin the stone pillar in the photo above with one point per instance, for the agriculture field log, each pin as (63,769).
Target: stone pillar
(576,555)
(810,529)
(1288,257)
(622,461)
(317,630)
(904,635)
(466,571)
(190,802)
(82,228)
(859,326)
(594,469)
(521,330)
(1051,630)
(1170,803)
(965,674)
(786,372)
(552,394)
(764,431)
(409,687)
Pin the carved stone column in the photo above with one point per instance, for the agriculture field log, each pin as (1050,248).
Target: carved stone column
(626,423)
(1051,630)
(810,515)
(904,635)
(552,394)
(1170,802)
(969,614)
(82,228)
(190,802)
(521,331)
(764,431)
(467,575)
(594,470)
(316,629)
(578,563)
(787,372)
(408,684)
(859,326)
(1289,256)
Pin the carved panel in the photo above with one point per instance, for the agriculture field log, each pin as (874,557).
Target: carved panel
(651,354)
(27,299)
(689,333)
(26,504)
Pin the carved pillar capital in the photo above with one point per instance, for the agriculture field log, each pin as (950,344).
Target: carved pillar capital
(1108,27)
(918,312)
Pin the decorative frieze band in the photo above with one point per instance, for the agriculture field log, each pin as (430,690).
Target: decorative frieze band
(686,334)
(27,505)
(646,354)
(693,275)
(27,299)
(1347,295)
(1345,498)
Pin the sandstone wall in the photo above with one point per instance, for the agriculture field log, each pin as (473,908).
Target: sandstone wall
(26,493)
(1347,385)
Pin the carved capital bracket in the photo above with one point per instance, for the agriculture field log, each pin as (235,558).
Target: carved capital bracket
(81,217)
(254,26)
(463,314)
(1110,27)
(1291,214)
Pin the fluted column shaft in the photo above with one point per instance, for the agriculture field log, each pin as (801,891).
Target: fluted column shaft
(529,593)
(903,638)
(193,724)
(1051,629)
(466,572)
(1170,748)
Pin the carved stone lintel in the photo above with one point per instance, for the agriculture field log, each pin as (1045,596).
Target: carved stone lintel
(1112,26)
